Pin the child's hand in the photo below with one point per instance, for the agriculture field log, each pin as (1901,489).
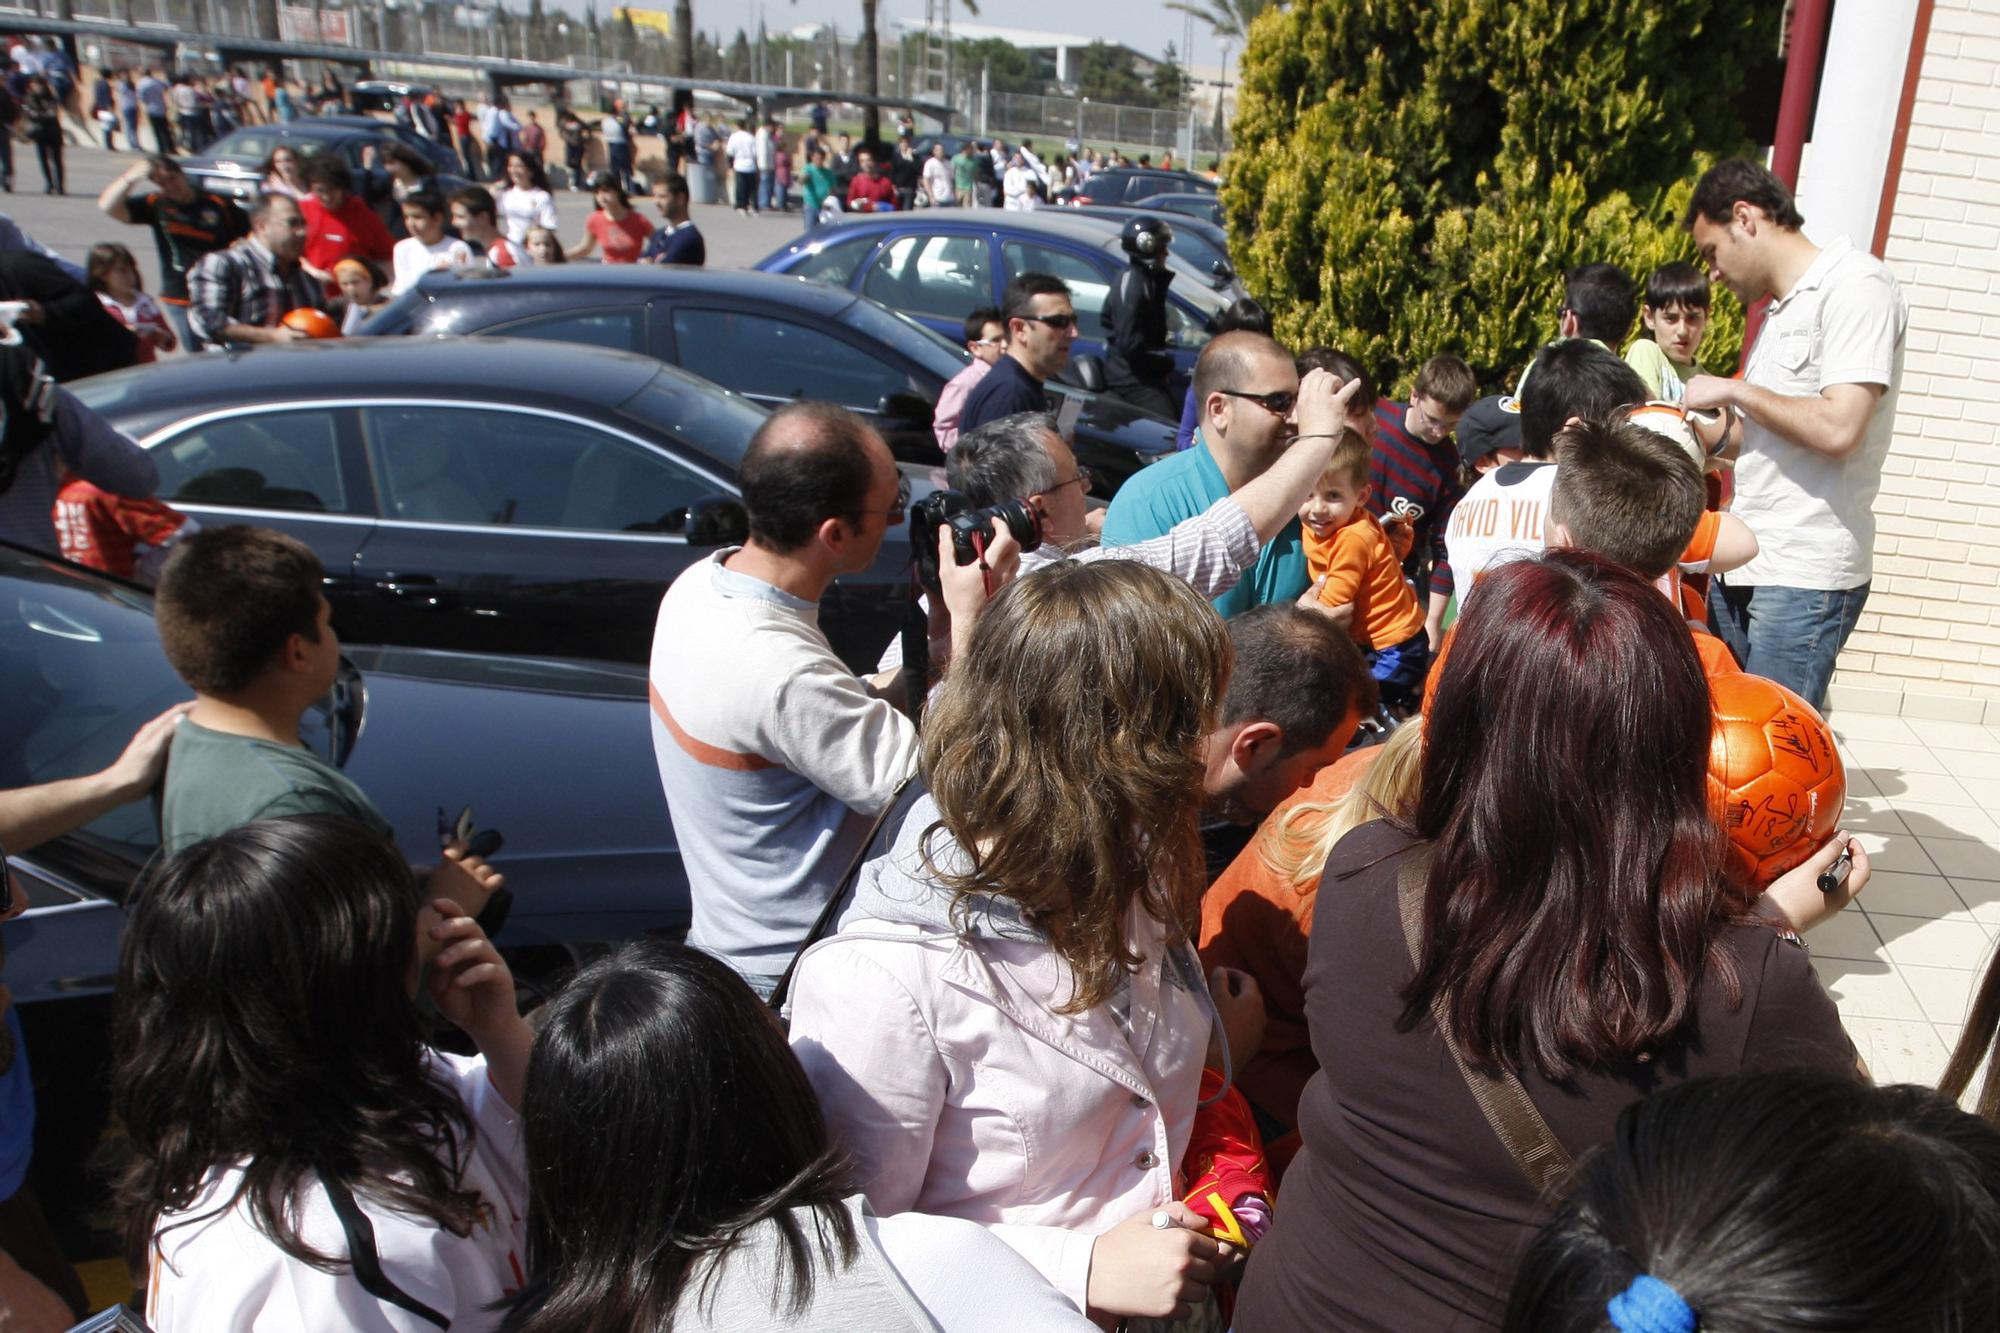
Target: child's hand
(468,979)
(1402,537)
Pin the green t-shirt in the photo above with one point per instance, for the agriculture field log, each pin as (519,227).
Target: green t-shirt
(217,781)
(964,172)
(1666,379)
(818,186)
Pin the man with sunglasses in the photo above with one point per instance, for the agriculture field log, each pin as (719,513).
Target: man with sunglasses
(986,339)
(37,1286)
(774,756)
(1041,325)
(1246,391)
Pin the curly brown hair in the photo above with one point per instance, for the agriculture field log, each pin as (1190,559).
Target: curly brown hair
(1065,756)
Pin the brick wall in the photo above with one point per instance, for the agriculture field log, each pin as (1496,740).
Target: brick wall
(1929,642)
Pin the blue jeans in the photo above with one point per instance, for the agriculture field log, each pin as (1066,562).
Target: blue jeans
(767,189)
(1790,635)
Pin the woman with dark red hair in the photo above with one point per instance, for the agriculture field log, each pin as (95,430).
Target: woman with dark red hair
(1558,901)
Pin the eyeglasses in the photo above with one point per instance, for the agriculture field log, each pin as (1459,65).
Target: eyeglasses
(987,342)
(1057,322)
(1279,402)
(1083,474)
(1429,423)
(899,511)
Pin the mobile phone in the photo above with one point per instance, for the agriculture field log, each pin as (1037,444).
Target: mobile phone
(478,842)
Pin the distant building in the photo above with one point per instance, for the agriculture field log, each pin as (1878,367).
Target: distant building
(1058,51)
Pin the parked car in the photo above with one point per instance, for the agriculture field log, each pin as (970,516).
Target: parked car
(383,94)
(1203,245)
(1192,206)
(772,339)
(1124,185)
(556,755)
(484,495)
(229,166)
(937,265)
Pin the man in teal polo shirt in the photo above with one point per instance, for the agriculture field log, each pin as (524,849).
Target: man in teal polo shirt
(1245,390)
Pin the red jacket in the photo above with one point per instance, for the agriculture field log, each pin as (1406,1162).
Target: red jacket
(872,189)
(355,230)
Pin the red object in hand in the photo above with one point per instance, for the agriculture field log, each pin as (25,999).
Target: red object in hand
(313,323)
(1229,1179)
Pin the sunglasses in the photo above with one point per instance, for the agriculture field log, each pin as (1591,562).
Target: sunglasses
(1057,322)
(897,512)
(1279,401)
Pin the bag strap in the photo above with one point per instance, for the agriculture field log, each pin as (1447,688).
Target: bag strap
(1502,1100)
(824,922)
(366,1259)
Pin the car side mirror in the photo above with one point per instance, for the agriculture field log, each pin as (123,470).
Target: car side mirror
(906,407)
(1221,268)
(713,520)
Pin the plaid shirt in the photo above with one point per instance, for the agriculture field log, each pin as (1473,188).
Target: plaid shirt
(244,285)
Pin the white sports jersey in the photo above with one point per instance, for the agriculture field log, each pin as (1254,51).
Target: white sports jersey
(1498,520)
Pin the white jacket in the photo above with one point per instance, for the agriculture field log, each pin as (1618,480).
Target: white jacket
(943,1066)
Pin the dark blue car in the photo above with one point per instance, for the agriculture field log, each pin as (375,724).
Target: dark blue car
(937,265)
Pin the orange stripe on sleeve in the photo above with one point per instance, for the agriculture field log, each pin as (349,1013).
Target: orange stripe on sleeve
(700,751)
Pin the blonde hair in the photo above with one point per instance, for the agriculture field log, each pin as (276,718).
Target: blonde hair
(1349,463)
(1295,847)
(1065,754)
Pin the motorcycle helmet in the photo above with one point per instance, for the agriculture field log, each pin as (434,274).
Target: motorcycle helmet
(1146,238)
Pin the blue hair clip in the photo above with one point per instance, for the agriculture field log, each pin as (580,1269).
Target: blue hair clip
(1650,1306)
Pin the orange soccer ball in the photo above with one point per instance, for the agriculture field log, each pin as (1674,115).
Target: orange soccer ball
(1775,779)
(313,323)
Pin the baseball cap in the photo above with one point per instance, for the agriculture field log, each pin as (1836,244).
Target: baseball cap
(1490,424)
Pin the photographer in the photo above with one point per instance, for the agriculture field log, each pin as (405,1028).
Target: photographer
(773,755)
(1022,458)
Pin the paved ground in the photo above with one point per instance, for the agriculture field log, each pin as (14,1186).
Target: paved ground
(71,224)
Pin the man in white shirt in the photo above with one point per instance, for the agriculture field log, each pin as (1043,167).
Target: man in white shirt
(427,247)
(1018,185)
(1814,412)
(741,150)
(775,757)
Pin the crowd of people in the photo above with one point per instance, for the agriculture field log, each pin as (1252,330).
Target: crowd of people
(1006,1001)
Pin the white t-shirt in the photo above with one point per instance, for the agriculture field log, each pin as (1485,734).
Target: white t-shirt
(1499,519)
(1842,323)
(1015,184)
(413,259)
(221,1272)
(742,150)
(519,210)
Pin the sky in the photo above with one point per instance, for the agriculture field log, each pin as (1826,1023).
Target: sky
(1145,25)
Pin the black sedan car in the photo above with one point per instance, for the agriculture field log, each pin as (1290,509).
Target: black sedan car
(1193,206)
(1125,185)
(489,495)
(772,339)
(556,755)
(229,166)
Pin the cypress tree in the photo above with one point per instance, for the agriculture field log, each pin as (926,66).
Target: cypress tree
(1412,177)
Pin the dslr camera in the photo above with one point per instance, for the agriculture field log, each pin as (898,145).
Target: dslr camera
(970,528)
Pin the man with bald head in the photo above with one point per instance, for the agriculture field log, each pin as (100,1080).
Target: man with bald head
(1246,391)
(774,756)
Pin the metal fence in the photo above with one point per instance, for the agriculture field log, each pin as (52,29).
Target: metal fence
(1131,128)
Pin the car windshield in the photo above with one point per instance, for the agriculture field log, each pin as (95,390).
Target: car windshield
(713,423)
(927,347)
(251,146)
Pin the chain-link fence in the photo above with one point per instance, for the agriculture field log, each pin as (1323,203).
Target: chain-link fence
(1134,129)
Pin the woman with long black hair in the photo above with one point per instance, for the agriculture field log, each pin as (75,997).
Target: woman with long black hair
(302,1160)
(660,1070)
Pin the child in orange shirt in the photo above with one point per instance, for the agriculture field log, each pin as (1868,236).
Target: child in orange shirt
(1361,561)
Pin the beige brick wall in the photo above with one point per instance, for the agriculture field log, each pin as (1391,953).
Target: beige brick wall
(1929,642)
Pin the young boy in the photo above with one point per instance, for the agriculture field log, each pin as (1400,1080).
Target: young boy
(1416,463)
(126,537)
(474,214)
(986,339)
(427,247)
(1634,495)
(1355,559)
(1676,315)
(244,624)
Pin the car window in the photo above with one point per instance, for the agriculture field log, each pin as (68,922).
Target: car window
(947,277)
(1089,285)
(262,460)
(775,358)
(834,261)
(437,463)
(622,330)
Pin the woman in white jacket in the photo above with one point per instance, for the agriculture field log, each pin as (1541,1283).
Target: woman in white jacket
(1010,1025)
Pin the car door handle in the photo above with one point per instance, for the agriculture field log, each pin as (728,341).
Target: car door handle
(420,590)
